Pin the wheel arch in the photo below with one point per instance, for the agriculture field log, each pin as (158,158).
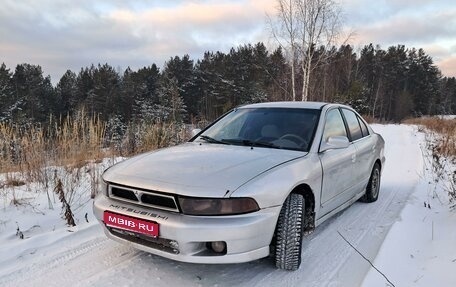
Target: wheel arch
(379,162)
(309,205)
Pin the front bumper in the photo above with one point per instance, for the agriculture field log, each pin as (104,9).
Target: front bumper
(247,236)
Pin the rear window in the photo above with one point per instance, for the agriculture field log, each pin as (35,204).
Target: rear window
(353,124)
(364,128)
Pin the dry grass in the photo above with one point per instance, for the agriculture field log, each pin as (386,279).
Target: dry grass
(369,119)
(64,152)
(440,135)
(21,148)
(74,141)
(445,128)
(145,136)
(29,149)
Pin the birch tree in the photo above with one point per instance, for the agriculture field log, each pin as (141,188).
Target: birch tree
(285,32)
(305,26)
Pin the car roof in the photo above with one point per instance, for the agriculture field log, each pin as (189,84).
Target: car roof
(298,105)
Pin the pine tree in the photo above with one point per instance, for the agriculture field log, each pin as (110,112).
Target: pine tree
(422,82)
(171,102)
(144,84)
(84,87)
(279,84)
(8,105)
(211,85)
(182,69)
(447,96)
(104,97)
(66,91)
(35,98)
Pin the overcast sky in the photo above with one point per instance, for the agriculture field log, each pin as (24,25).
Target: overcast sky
(62,34)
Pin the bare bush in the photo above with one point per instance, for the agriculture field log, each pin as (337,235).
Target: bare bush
(440,157)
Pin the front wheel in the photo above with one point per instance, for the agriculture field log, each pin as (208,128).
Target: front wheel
(289,233)
(373,187)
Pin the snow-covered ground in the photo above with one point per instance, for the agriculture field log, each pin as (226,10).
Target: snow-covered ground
(411,244)
(420,249)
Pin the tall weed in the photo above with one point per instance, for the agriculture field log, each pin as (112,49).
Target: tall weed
(74,141)
(440,136)
(445,129)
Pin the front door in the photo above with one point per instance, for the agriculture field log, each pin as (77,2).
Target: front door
(338,165)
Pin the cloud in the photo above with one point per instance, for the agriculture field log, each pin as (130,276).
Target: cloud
(410,29)
(61,34)
(448,66)
(123,33)
(212,22)
(437,51)
(426,25)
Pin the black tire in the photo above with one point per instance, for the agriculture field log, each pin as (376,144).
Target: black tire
(373,187)
(289,233)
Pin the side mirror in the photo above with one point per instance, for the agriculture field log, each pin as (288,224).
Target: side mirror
(336,142)
(195,132)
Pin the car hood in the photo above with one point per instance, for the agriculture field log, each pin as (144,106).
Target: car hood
(198,169)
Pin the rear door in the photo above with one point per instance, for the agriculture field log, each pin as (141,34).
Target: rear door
(365,146)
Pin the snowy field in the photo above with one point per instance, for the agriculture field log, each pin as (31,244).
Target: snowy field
(412,245)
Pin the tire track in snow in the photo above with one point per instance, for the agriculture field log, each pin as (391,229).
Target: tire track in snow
(88,258)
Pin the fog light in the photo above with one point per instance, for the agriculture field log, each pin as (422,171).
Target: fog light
(218,246)
(174,244)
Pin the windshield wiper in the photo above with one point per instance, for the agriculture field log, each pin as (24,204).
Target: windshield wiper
(211,140)
(251,143)
(260,144)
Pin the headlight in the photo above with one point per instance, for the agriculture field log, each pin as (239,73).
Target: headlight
(102,186)
(217,206)
(98,187)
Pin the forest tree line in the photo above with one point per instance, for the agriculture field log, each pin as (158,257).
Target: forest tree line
(389,85)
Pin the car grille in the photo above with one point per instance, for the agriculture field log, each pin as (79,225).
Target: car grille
(143,197)
(155,243)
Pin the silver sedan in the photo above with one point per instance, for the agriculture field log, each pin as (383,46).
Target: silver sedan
(251,184)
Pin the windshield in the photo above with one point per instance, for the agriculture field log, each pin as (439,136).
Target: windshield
(283,128)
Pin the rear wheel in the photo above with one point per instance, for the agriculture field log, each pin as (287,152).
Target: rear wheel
(373,187)
(289,233)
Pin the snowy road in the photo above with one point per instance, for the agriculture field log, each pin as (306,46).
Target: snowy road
(87,258)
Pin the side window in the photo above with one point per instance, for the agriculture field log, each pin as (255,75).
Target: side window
(363,127)
(353,124)
(334,125)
